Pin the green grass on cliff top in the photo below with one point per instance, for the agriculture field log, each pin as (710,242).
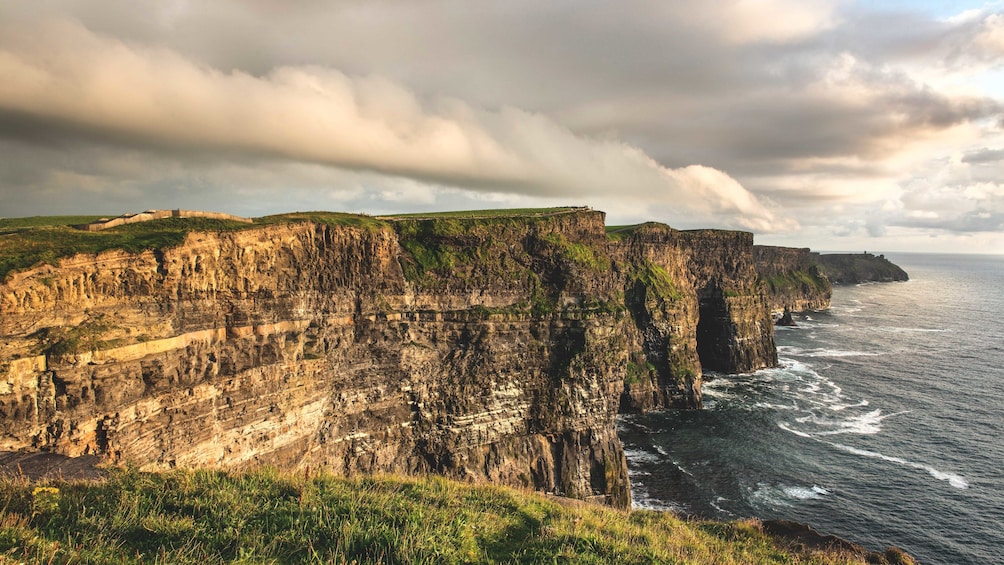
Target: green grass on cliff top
(25,242)
(266,516)
(8,224)
(490,213)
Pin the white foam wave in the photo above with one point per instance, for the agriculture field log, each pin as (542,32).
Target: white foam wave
(784,426)
(824,352)
(896,329)
(861,424)
(641,456)
(714,504)
(953,479)
(642,500)
(785,495)
(817,405)
(770,406)
(804,493)
(841,407)
(769,496)
(681,468)
(847,309)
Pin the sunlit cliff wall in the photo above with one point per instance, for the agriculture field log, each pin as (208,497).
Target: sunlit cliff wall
(497,348)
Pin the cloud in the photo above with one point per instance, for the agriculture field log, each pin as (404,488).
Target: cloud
(845,116)
(61,80)
(774,21)
(977,37)
(964,207)
(984,155)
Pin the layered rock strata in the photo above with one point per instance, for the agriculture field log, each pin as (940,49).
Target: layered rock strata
(792,278)
(493,348)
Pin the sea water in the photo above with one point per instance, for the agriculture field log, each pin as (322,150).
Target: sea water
(883,424)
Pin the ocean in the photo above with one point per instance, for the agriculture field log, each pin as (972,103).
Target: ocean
(883,424)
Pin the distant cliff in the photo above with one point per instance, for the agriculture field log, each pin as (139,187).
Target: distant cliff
(486,346)
(856,268)
(792,278)
(798,279)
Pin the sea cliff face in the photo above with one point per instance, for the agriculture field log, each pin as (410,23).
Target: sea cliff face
(798,279)
(793,279)
(485,348)
(856,268)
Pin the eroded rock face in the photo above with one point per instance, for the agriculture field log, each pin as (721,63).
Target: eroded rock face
(797,279)
(492,349)
(792,278)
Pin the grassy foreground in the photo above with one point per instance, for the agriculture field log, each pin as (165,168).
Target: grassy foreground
(267,516)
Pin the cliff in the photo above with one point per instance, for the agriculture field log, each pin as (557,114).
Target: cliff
(484,347)
(857,268)
(793,279)
(797,279)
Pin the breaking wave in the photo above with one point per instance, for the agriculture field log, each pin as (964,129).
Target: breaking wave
(953,479)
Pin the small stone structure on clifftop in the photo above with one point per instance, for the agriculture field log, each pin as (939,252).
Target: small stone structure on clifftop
(105,223)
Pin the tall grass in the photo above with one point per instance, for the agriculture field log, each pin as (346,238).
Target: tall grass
(267,516)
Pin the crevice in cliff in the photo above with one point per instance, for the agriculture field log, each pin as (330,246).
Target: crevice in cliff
(713,331)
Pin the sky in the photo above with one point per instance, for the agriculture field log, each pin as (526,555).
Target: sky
(832,124)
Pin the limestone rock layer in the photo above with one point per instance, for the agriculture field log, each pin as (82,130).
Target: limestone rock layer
(792,278)
(493,348)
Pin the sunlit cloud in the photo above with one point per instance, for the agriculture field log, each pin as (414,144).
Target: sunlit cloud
(821,122)
(67,78)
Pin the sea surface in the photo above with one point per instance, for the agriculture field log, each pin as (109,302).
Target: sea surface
(883,425)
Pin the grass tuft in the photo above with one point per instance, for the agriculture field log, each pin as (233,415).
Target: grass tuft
(654,278)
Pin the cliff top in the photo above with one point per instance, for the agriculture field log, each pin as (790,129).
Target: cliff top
(25,242)
(490,213)
(150,215)
(856,268)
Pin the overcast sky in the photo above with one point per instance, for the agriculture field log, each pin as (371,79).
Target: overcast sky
(839,125)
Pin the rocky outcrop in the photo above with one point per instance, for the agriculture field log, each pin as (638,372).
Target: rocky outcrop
(487,348)
(857,268)
(735,333)
(803,537)
(792,278)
